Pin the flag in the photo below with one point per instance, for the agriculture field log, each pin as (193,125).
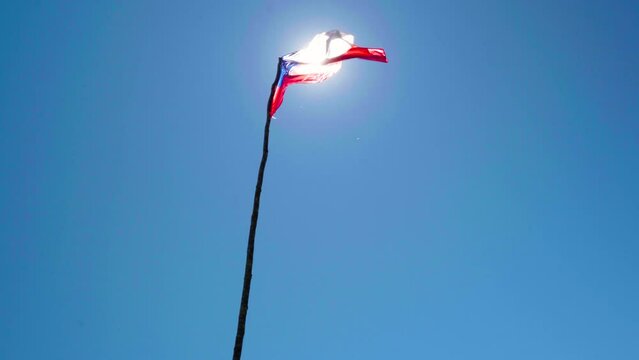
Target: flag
(320,60)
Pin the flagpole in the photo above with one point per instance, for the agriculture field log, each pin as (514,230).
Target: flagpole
(248,270)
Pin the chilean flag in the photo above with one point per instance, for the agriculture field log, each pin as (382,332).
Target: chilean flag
(320,60)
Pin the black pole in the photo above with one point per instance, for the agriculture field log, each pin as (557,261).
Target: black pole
(248,270)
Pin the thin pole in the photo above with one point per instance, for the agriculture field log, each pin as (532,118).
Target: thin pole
(248,270)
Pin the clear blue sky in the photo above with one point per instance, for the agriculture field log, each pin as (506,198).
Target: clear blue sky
(475,198)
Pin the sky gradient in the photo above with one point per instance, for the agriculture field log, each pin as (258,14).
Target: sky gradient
(474,198)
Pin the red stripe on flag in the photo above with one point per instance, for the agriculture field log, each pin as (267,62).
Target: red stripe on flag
(277,97)
(356,52)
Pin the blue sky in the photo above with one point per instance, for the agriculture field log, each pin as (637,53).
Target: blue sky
(475,198)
